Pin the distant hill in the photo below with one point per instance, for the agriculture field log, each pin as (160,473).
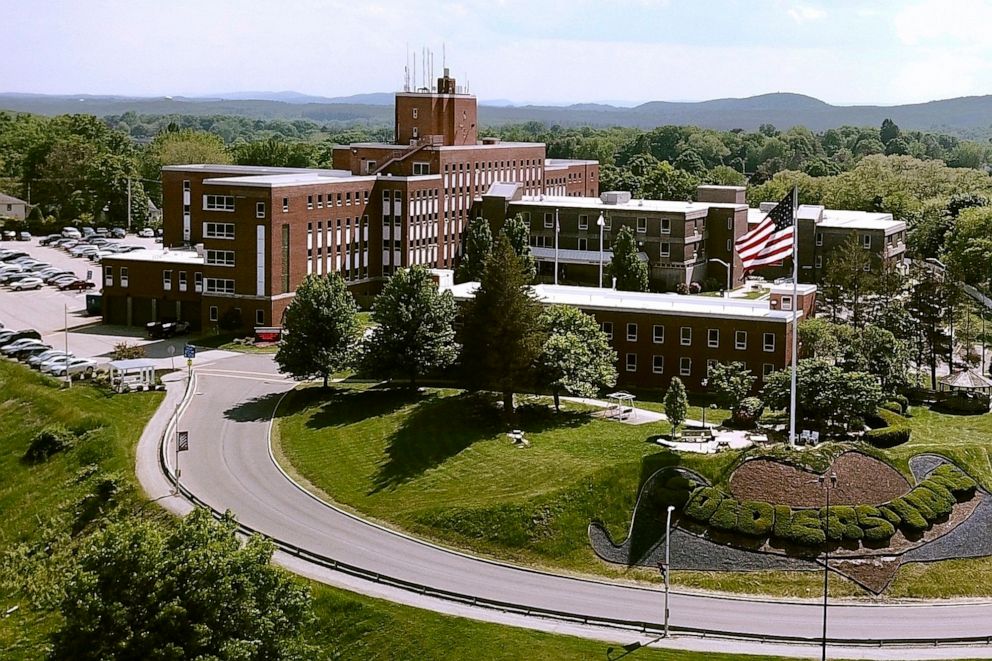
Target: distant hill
(962,116)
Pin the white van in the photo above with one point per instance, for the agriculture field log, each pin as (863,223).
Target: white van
(71,233)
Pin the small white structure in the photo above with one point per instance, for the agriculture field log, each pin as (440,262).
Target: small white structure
(135,374)
(621,405)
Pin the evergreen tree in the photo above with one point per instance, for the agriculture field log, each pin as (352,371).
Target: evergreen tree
(415,333)
(502,335)
(577,357)
(676,404)
(625,265)
(518,232)
(478,246)
(321,329)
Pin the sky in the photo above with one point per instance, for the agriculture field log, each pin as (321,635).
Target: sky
(536,51)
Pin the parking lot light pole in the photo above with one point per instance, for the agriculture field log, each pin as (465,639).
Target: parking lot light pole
(827,487)
(729,272)
(668,546)
(65,323)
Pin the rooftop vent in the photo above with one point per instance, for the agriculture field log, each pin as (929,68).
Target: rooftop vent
(615,197)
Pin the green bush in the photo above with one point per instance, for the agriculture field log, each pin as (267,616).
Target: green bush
(726,515)
(903,402)
(755,518)
(782,527)
(896,432)
(842,522)
(806,528)
(939,503)
(964,403)
(703,503)
(748,412)
(49,441)
(893,406)
(675,490)
(910,518)
(876,528)
(960,484)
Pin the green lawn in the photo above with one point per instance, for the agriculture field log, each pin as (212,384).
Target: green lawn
(348,625)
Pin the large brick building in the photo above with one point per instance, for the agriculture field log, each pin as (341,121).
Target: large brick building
(658,336)
(240,239)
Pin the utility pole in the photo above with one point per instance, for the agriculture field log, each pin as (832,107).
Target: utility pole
(65,324)
(129,204)
(668,537)
(826,556)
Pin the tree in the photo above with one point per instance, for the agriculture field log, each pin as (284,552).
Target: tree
(414,334)
(929,306)
(666,182)
(517,231)
(577,357)
(847,281)
(276,152)
(731,382)
(502,335)
(625,264)
(321,329)
(824,393)
(889,131)
(676,404)
(191,591)
(478,246)
(880,353)
(818,339)
(969,246)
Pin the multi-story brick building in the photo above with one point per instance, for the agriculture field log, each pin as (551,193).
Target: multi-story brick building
(240,239)
(658,336)
(681,242)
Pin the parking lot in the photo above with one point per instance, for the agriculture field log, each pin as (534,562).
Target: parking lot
(51,312)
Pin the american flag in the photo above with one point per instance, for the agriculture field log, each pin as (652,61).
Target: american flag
(771,241)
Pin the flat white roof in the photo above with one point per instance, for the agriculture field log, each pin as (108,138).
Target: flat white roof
(564,162)
(294,179)
(843,218)
(569,256)
(690,209)
(238,169)
(595,298)
(159,255)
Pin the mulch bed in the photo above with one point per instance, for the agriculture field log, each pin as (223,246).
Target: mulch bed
(860,480)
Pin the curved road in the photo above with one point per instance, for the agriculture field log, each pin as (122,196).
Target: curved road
(229,467)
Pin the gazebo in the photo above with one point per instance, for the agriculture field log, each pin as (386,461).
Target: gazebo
(135,374)
(621,404)
(966,381)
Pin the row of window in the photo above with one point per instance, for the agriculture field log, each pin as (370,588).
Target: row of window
(360,196)
(685,365)
(259,315)
(220,257)
(108,279)
(218,203)
(685,336)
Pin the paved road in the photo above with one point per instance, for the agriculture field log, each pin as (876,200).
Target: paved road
(229,467)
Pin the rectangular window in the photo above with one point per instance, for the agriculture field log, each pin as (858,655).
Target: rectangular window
(740,340)
(198,282)
(285,259)
(607,327)
(819,238)
(549,220)
(786,302)
(730,246)
(686,336)
(182,281)
(710,364)
(285,204)
(666,249)
(421,168)
(867,267)
(124,276)
(220,286)
(220,257)
(339,199)
(415,113)
(218,203)
(185,185)
(370,168)
(309,201)
(713,337)
(730,223)
(866,241)
(320,200)
(766,369)
(642,225)
(347,198)
(818,262)
(657,364)
(632,332)
(218,230)
(658,334)
(167,280)
(259,317)
(685,366)
(108,276)
(583,244)
(583,222)
(768,341)
(666,225)
(631,362)
(213,313)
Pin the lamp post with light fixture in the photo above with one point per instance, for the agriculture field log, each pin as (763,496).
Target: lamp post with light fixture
(602,225)
(729,272)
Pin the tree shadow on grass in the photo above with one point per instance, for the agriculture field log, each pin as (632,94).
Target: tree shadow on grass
(348,406)
(256,409)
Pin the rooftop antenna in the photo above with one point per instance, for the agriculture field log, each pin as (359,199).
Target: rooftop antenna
(406,70)
(444,56)
(414,71)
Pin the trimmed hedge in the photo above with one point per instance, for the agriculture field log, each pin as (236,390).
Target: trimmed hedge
(930,501)
(896,432)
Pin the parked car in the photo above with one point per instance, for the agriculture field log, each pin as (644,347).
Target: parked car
(49,240)
(60,275)
(24,236)
(63,279)
(147,233)
(74,366)
(33,350)
(88,231)
(103,231)
(161,329)
(75,285)
(130,248)
(9,235)
(55,363)
(13,255)
(71,233)
(118,233)
(13,276)
(25,284)
(37,359)
(24,342)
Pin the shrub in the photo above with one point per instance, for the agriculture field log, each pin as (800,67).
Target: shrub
(49,441)
(903,402)
(782,527)
(923,497)
(703,503)
(893,406)
(875,527)
(964,403)
(895,433)
(125,351)
(954,479)
(806,528)
(695,288)
(726,515)
(755,518)
(675,490)
(681,288)
(910,518)
(842,522)
(748,412)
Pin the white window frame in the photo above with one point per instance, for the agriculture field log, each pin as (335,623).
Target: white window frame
(421,168)
(712,342)
(285,204)
(198,282)
(219,286)
(631,337)
(259,321)
(665,249)
(685,366)
(787,303)
(108,276)
(642,225)
(658,364)
(219,257)
(583,222)
(765,344)
(214,313)
(740,340)
(549,221)
(182,281)
(630,362)
(666,225)
(866,241)
(167,280)
(818,262)
(658,334)
(260,209)
(124,276)
(766,369)
(218,203)
(309,201)
(685,338)
(819,238)
(218,230)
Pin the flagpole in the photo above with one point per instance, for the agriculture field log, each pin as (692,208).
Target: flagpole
(557,228)
(795,314)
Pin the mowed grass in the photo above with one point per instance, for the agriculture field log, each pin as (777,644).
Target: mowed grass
(965,439)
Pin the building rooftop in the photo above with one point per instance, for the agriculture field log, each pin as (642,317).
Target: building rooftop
(568,256)
(301,178)
(839,218)
(10,199)
(596,298)
(163,255)
(690,209)
(238,169)
(565,162)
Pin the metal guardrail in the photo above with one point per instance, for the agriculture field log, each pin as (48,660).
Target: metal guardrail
(649,628)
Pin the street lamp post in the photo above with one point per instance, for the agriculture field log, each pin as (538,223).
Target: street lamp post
(668,545)
(826,555)
(729,272)
(704,382)
(602,225)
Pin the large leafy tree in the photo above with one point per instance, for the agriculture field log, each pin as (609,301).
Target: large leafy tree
(478,246)
(176,146)
(929,305)
(321,329)
(502,335)
(276,152)
(414,332)
(824,393)
(576,357)
(969,246)
(192,591)
(518,232)
(667,182)
(731,382)
(676,404)
(847,283)
(625,264)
